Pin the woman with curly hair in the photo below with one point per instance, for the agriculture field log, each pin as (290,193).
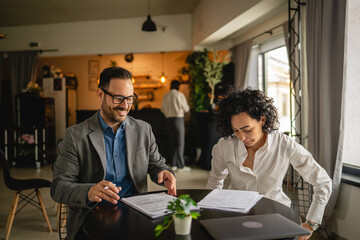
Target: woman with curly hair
(256,156)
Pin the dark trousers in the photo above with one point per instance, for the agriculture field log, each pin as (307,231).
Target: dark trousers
(176,131)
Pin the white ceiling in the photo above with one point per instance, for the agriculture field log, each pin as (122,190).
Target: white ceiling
(32,12)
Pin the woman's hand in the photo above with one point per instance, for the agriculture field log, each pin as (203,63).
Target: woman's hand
(304,225)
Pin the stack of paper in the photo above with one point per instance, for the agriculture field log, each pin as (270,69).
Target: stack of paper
(230,200)
(153,205)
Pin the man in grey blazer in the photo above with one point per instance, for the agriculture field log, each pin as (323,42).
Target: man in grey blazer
(109,155)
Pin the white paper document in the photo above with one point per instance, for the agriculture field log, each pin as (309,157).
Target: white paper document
(230,200)
(153,205)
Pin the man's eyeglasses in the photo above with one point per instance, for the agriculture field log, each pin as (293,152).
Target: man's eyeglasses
(118,99)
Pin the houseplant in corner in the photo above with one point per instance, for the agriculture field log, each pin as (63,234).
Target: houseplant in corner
(180,214)
(213,70)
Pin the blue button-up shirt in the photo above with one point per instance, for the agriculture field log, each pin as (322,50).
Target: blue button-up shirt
(117,170)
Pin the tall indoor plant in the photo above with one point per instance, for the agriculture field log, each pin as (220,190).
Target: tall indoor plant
(198,87)
(206,71)
(213,70)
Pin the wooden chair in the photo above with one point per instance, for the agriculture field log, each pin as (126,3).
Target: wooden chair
(19,185)
(63,212)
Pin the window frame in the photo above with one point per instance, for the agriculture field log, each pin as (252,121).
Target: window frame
(350,175)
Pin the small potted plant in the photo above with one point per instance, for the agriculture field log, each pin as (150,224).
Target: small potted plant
(180,214)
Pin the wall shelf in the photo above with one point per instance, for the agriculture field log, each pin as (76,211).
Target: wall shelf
(145,82)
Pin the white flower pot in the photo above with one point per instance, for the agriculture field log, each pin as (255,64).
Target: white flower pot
(182,226)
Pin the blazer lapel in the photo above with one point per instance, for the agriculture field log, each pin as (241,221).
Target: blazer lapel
(97,138)
(131,136)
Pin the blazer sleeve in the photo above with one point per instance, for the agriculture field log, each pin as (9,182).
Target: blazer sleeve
(65,186)
(157,163)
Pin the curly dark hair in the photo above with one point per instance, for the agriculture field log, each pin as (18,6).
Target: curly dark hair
(253,102)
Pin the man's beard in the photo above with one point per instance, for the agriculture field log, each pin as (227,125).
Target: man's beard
(110,113)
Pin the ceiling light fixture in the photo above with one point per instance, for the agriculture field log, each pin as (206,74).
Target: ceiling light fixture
(163,77)
(149,25)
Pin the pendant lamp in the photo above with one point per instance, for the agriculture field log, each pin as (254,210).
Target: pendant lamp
(149,25)
(163,77)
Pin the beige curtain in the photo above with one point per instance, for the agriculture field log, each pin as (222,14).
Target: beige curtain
(23,68)
(240,58)
(1,77)
(325,61)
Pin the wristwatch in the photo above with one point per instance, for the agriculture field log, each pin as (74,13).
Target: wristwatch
(314,226)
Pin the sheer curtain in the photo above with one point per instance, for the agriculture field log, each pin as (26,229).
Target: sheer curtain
(325,26)
(23,68)
(240,58)
(1,76)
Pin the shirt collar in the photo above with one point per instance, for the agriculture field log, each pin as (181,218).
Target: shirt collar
(105,127)
(268,142)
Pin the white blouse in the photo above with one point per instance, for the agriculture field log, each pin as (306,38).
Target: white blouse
(271,163)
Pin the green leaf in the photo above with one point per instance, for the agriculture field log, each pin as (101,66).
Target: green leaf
(195,215)
(180,208)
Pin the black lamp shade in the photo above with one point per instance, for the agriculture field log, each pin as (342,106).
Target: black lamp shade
(149,25)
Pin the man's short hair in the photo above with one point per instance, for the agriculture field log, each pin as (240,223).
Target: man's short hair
(175,84)
(113,72)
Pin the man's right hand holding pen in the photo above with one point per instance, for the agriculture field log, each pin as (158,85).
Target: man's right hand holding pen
(104,190)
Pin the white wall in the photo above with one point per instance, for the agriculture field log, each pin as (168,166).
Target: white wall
(211,15)
(103,37)
(214,20)
(345,219)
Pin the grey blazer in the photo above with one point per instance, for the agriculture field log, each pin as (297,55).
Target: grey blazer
(82,161)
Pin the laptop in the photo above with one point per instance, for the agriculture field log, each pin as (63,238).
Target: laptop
(268,226)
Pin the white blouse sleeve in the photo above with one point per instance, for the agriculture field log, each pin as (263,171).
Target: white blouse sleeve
(313,173)
(219,170)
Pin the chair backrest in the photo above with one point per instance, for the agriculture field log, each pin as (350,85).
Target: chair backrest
(7,177)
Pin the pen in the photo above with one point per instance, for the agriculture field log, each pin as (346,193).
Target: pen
(108,187)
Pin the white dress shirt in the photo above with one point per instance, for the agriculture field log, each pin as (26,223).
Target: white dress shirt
(271,163)
(174,104)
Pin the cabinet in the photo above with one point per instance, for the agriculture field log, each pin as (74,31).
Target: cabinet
(33,138)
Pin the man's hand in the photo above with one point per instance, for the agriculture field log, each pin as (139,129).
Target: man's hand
(169,181)
(304,225)
(104,190)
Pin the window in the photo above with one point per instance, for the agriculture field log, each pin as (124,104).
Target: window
(274,80)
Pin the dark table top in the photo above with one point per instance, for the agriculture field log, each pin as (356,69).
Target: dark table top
(123,222)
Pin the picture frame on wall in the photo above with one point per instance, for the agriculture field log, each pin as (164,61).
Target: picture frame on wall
(93,74)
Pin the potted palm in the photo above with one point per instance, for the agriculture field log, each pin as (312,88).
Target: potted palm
(180,214)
